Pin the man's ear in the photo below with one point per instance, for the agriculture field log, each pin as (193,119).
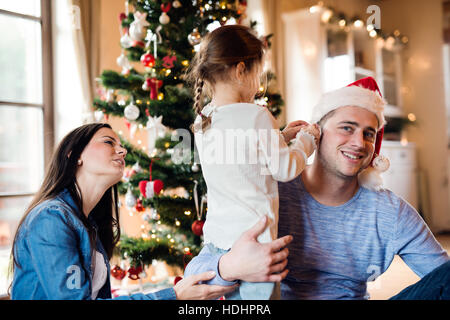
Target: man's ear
(321,134)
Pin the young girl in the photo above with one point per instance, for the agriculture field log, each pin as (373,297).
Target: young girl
(228,67)
(67,235)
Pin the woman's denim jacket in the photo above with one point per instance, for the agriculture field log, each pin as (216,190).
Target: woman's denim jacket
(54,253)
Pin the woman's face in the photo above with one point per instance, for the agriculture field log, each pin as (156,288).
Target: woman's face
(104,156)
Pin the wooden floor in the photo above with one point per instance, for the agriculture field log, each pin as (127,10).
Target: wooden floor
(399,276)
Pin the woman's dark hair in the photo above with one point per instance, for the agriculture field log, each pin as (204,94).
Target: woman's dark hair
(220,50)
(60,175)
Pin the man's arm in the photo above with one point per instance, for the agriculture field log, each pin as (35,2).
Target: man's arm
(248,260)
(415,243)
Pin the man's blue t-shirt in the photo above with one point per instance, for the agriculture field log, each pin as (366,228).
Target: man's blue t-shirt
(336,250)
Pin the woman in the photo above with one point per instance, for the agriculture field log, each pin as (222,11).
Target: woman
(66,238)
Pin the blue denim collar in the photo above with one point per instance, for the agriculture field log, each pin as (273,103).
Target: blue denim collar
(67,198)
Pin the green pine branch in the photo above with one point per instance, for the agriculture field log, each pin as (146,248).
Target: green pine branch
(144,251)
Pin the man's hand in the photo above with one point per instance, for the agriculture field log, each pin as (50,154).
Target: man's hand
(251,261)
(189,289)
(291,130)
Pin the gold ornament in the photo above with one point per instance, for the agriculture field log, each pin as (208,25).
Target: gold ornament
(194,37)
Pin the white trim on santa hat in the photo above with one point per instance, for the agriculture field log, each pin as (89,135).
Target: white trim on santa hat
(350,96)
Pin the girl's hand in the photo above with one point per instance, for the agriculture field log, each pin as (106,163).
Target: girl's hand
(189,289)
(314,130)
(291,130)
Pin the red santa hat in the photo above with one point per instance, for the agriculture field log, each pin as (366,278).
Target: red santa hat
(363,93)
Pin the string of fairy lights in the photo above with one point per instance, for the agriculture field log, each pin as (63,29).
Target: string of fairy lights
(329,16)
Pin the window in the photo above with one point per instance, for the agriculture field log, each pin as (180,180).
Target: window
(337,63)
(26,113)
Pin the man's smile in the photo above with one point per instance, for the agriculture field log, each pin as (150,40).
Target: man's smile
(353,157)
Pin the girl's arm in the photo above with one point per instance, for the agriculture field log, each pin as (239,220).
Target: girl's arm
(284,162)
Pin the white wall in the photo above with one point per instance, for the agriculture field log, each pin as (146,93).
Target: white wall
(424,94)
(303,55)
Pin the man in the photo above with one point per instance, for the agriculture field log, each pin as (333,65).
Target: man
(346,228)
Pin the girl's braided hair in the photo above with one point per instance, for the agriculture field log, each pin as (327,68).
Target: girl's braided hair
(219,51)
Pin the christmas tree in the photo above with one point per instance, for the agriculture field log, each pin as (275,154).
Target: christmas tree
(161,37)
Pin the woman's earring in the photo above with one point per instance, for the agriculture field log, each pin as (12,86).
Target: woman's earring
(80,162)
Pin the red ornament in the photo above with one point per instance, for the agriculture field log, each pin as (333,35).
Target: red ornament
(122,16)
(166,7)
(154,84)
(150,188)
(118,273)
(148,60)
(139,207)
(197,227)
(133,272)
(176,280)
(168,61)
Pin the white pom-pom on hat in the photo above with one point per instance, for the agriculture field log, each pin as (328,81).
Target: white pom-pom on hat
(370,178)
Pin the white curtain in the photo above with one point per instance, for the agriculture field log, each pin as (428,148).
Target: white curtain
(75,40)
